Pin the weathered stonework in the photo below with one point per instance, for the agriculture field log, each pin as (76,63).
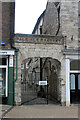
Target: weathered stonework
(53,45)
(28,50)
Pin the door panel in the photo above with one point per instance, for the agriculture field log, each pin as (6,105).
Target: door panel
(79,82)
(72,82)
(75,88)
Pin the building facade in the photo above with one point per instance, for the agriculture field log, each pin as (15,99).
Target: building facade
(7,52)
(59,41)
(51,54)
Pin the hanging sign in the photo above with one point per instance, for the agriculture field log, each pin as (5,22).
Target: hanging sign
(42,82)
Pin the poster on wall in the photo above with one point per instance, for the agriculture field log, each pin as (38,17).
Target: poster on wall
(1,77)
(0,84)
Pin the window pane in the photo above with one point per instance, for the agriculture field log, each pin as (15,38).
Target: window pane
(79,81)
(2,61)
(75,65)
(2,81)
(72,85)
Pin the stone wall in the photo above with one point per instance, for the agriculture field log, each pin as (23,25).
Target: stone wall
(0,21)
(51,72)
(69,22)
(50,23)
(66,22)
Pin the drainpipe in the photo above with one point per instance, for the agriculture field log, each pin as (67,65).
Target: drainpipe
(16,51)
(16,61)
(12,13)
(58,10)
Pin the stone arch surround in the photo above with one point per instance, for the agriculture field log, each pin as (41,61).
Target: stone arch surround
(27,50)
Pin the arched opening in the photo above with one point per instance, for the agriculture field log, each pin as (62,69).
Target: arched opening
(40,81)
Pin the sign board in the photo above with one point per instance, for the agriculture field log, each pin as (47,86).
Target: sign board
(11,61)
(22,66)
(42,82)
(6,52)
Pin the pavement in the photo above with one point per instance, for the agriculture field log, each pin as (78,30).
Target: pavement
(43,111)
(4,109)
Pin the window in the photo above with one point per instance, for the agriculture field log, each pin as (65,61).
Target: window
(75,65)
(3,61)
(40,29)
(79,81)
(27,66)
(22,66)
(72,84)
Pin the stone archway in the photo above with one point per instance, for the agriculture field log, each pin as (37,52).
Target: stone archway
(40,50)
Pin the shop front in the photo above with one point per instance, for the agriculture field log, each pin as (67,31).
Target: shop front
(6,77)
(72,78)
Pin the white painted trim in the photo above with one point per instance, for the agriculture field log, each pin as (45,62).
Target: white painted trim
(67,82)
(3,66)
(73,57)
(75,71)
(70,57)
(7,79)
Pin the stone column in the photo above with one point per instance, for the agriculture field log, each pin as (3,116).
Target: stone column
(63,82)
(18,82)
(67,82)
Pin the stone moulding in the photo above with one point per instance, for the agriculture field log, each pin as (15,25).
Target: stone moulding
(39,39)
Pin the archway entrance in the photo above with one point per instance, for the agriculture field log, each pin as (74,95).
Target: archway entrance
(39,81)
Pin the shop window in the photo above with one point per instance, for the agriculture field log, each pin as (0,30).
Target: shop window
(3,61)
(75,65)
(72,84)
(79,82)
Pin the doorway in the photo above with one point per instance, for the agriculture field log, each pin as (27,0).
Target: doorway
(75,88)
(39,81)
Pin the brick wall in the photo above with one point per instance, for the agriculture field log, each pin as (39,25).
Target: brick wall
(7,22)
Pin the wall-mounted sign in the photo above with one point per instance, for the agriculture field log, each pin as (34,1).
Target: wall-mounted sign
(6,52)
(0,84)
(42,82)
(11,61)
(22,66)
(1,77)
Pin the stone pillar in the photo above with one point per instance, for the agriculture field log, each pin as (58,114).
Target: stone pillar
(18,82)
(67,82)
(63,82)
